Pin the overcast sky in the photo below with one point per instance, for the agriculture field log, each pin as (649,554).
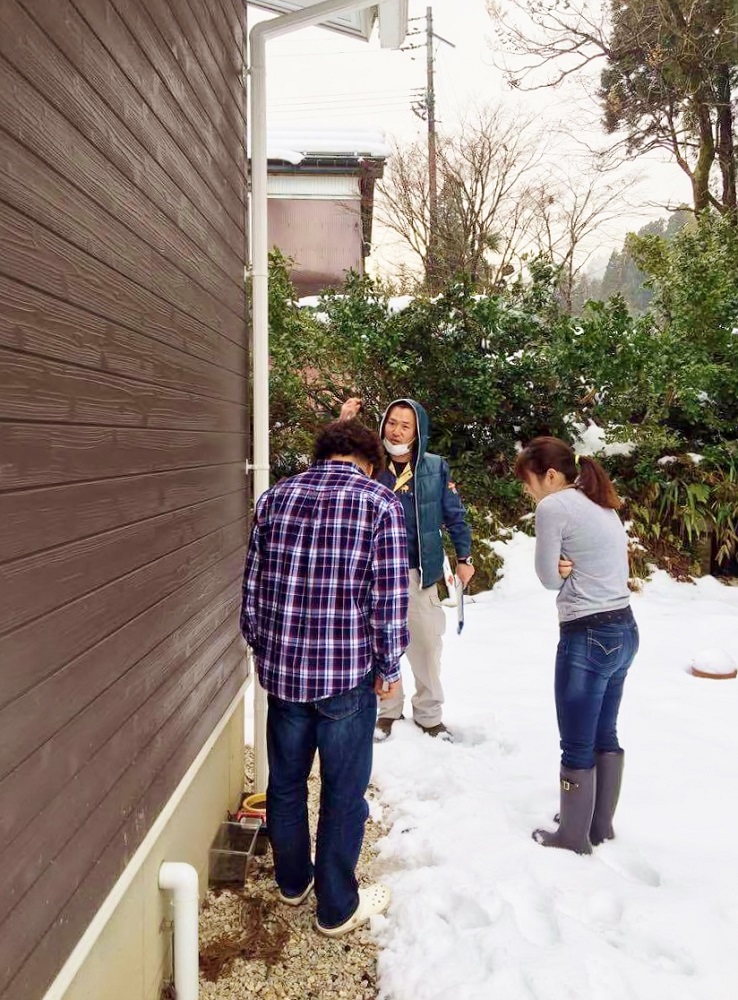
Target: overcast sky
(319,77)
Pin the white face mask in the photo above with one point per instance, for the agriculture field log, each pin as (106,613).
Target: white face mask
(395,450)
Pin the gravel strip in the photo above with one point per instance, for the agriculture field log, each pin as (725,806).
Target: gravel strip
(310,967)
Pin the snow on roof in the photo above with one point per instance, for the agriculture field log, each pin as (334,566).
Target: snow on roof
(293,144)
(288,155)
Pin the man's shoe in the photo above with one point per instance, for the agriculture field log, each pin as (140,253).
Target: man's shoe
(383,728)
(296,900)
(372,900)
(438,730)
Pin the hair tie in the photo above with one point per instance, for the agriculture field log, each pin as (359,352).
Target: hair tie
(577,460)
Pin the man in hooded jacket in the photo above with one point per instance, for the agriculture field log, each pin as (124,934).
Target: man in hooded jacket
(430,502)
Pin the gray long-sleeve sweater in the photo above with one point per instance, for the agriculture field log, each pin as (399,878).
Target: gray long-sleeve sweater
(568,524)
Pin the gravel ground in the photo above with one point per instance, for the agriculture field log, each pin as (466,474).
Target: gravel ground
(309,966)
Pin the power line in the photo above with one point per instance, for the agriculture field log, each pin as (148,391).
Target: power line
(352,93)
(326,115)
(360,114)
(342,98)
(320,106)
(316,52)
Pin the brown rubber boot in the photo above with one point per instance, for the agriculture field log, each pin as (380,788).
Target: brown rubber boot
(609,769)
(439,730)
(383,728)
(576,809)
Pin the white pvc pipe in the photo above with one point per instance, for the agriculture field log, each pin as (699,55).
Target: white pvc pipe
(181,880)
(84,947)
(313,14)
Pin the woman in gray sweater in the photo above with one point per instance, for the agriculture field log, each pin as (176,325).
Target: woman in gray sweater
(582,552)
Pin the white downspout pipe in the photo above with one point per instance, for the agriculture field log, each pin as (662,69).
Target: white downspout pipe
(181,880)
(258,36)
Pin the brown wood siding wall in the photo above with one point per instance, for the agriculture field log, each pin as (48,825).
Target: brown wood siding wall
(123,438)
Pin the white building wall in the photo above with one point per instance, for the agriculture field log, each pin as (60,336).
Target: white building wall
(313,186)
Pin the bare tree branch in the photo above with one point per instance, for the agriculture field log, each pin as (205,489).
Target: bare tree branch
(669,77)
(480,171)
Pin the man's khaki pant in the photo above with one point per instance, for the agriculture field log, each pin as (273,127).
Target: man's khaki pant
(427,623)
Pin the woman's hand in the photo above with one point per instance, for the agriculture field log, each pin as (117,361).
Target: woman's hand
(565,567)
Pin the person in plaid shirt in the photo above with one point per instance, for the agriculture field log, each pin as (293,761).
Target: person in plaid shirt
(325,597)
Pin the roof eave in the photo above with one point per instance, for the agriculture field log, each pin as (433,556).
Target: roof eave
(358,24)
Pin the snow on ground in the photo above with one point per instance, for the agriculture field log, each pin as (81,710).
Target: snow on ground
(396,303)
(480,911)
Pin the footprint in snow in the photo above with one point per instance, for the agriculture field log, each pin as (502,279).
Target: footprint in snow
(629,863)
(534,917)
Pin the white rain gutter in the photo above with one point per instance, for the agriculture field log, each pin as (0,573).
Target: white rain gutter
(313,14)
(181,880)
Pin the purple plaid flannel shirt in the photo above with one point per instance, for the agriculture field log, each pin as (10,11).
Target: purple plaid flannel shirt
(325,583)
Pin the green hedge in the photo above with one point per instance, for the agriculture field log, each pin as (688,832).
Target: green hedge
(494,371)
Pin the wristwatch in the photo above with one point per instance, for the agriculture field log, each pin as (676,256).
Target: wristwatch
(467,560)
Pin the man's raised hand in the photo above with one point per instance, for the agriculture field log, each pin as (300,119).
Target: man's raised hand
(351,408)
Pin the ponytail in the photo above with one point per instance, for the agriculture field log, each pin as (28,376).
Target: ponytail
(582,471)
(595,483)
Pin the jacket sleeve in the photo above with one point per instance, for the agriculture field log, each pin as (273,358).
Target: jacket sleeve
(551,519)
(454,516)
(250,586)
(388,618)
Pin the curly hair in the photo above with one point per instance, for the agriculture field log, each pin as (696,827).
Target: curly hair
(349,437)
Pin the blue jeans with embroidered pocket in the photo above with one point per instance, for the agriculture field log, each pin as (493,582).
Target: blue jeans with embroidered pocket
(592,661)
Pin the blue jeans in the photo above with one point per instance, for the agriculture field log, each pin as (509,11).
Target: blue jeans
(591,666)
(340,728)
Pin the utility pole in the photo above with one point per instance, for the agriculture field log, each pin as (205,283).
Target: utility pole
(430,103)
(427,109)
(428,112)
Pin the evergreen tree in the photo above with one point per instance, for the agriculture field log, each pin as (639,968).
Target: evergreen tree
(623,276)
